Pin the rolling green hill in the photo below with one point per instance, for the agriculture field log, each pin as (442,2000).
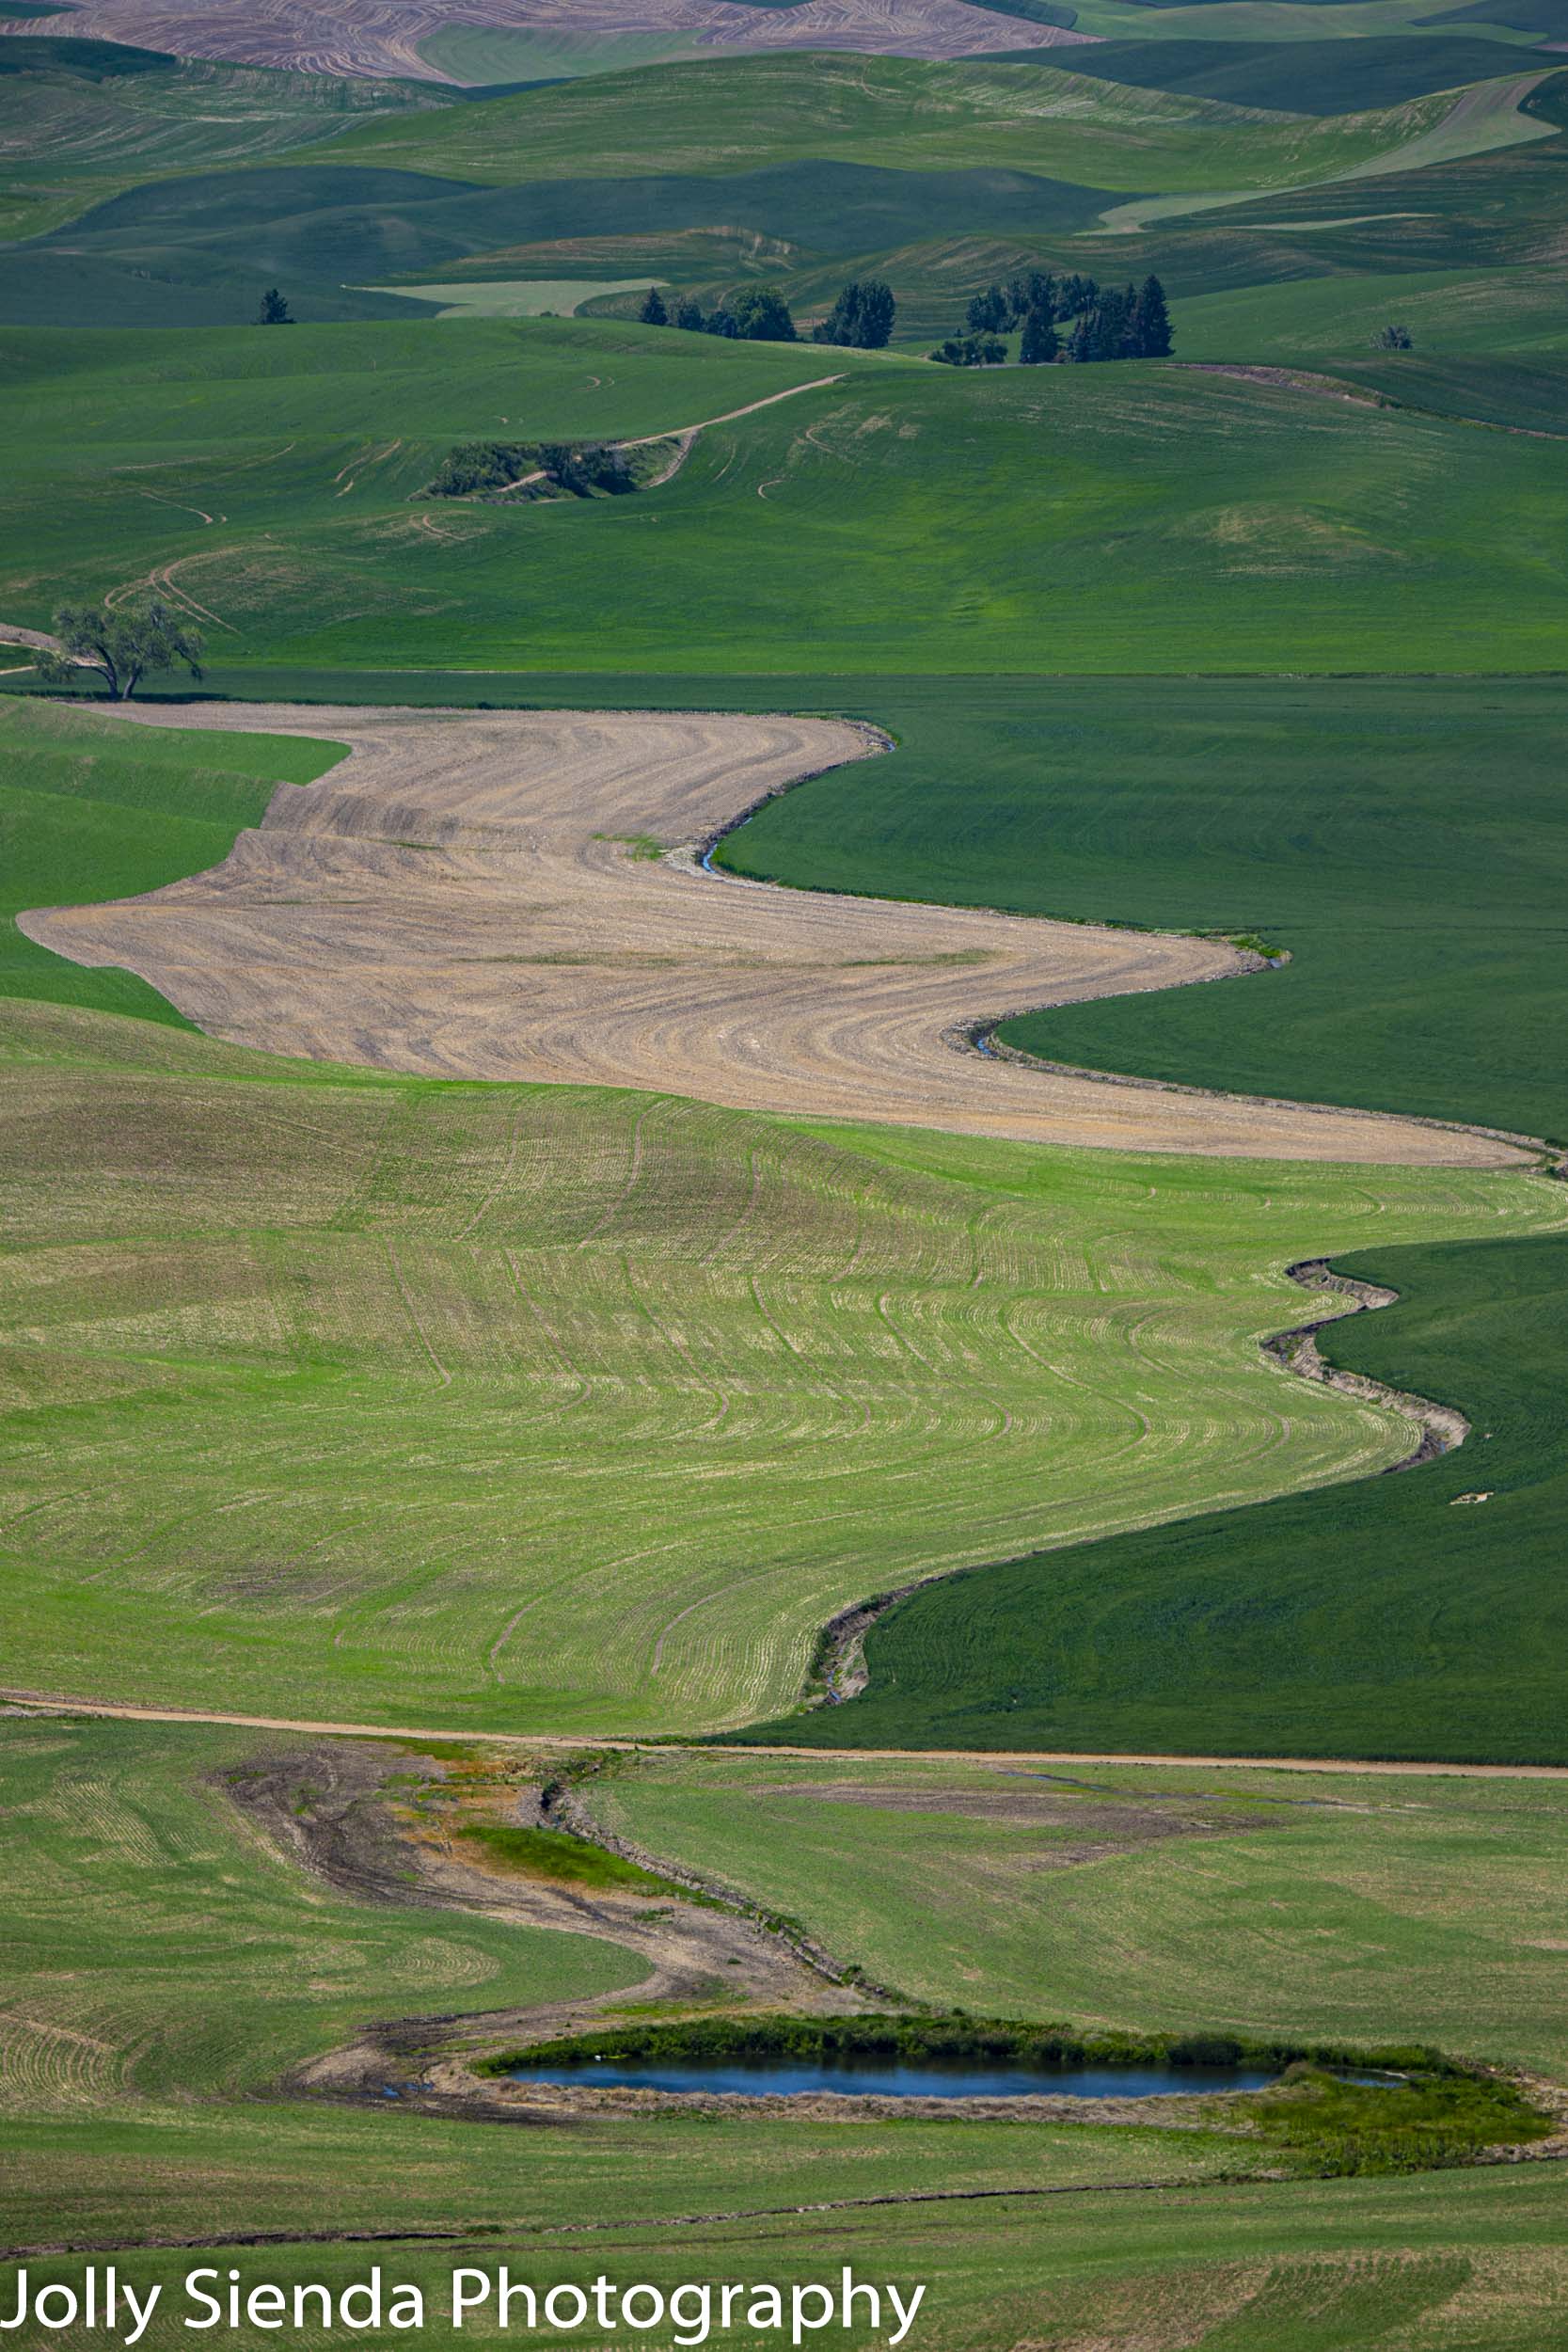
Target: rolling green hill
(284,1432)
(1493,314)
(1328,77)
(1089,1880)
(80,120)
(909,518)
(896,113)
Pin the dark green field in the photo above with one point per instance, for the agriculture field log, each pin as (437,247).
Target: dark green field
(1407,842)
(1383,1619)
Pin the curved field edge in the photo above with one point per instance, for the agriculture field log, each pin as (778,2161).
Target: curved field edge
(382,919)
(1009,1299)
(86,815)
(1407,1617)
(1420,907)
(571,1411)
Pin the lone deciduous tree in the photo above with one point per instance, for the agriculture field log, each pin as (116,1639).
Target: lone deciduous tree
(122,647)
(273,311)
(761,316)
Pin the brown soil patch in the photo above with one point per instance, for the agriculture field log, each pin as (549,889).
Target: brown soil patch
(329,1808)
(467,895)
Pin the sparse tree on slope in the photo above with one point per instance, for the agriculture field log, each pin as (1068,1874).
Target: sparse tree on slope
(122,647)
(274,310)
(1152,334)
(652,313)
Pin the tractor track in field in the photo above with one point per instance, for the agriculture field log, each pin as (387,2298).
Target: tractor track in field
(531,935)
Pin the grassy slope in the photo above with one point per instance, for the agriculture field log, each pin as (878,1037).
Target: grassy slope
(1333,2266)
(133,2061)
(896,112)
(1474,313)
(1158,1896)
(1383,1619)
(87,811)
(316,1299)
(97,2150)
(909,518)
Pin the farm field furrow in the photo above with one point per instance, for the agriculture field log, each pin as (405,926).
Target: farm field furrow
(573,1409)
(734,1545)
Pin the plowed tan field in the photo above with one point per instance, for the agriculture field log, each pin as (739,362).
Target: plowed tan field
(480,895)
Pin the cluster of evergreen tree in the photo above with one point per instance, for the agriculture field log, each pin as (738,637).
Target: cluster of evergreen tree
(758,314)
(861,318)
(1125,323)
(1104,323)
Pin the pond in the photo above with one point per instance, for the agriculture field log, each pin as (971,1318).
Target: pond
(890,2078)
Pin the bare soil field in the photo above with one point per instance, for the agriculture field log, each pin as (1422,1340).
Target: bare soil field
(518,896)
(383,36)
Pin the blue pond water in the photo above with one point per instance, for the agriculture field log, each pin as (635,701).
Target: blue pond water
(887,2078)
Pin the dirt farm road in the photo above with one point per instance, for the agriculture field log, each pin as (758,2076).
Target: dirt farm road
(30,1702)
(483,896)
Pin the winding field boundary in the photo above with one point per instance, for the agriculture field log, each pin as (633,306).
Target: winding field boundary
(523,896)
